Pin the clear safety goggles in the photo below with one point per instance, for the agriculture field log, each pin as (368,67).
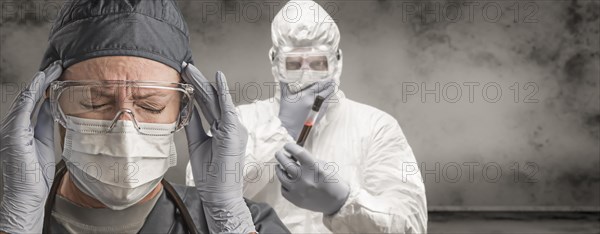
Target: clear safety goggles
(315,61)
(141,102)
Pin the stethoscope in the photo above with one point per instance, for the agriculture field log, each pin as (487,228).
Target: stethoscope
(60,173)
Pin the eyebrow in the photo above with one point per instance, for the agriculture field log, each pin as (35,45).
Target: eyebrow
(110,93)
(100,92)
(149,94)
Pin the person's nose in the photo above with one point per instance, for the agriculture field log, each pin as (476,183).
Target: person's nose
(125,114)
(305,66)
(125,103)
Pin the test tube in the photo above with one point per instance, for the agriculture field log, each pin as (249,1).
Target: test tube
(310,120)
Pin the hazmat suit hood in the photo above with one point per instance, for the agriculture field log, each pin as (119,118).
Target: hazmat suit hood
(86,29)
(302,23)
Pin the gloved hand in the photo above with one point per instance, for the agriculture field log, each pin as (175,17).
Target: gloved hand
(214,157)
(27,151)
(295,106)
(308,185)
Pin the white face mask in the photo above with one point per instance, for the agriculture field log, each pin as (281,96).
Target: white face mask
(121,167)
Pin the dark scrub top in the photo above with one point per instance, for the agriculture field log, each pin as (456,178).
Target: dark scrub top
(165,218)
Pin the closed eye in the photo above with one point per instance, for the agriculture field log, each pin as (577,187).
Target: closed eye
(152,107)
(94,106)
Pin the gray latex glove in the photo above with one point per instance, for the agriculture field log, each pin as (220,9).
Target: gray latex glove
(309,183)
(27,152)
(295,106)
(213,158)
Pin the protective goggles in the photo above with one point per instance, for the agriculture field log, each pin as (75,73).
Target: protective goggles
(139,101)
(305,61)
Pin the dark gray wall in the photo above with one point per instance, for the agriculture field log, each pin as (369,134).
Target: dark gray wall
(535,145)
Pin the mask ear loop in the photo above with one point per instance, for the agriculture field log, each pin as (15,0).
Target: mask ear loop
(122,111)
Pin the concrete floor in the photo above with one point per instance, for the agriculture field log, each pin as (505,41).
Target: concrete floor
(507,222)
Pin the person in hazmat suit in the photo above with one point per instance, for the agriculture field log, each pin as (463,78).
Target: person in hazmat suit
(356,172)
(118,77)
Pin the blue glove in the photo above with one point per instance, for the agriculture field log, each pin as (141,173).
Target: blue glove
(211,156)
(27,151)
(295,106)
(307,184)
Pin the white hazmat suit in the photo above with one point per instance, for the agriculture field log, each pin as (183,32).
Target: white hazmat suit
(367,145)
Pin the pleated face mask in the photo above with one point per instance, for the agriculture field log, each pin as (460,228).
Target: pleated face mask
(121,166)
